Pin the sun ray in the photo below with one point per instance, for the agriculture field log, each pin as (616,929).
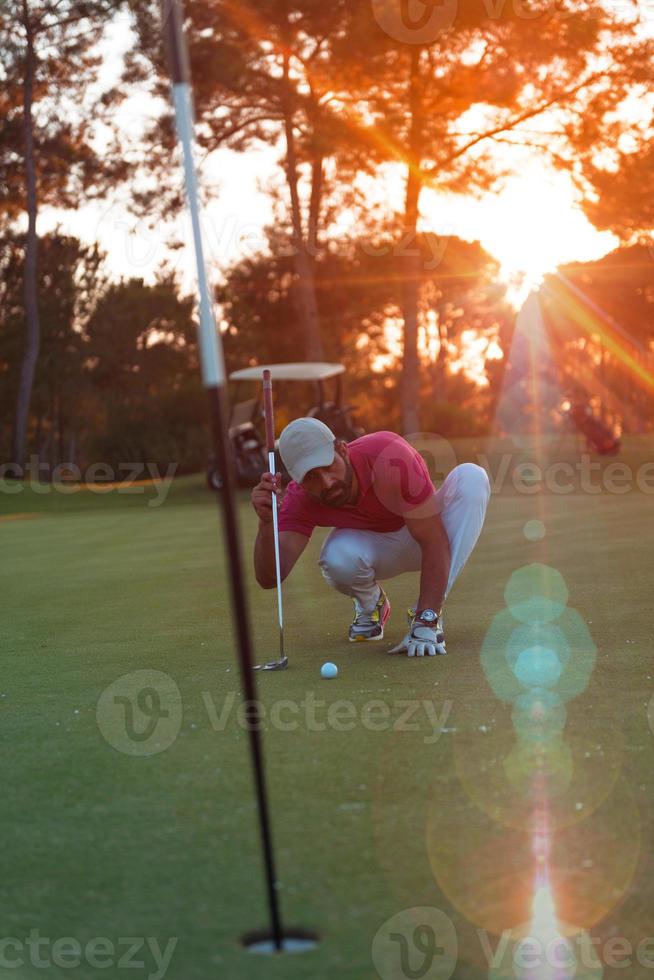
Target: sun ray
(259,30)
(595,322)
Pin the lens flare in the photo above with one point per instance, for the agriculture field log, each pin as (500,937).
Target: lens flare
(536,594)
(537,666)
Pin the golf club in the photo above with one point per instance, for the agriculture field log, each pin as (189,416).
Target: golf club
(282,663)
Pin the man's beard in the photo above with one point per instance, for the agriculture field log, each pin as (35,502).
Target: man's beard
(339,494)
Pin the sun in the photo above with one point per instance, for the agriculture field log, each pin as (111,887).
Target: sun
(531,226)
(535,225)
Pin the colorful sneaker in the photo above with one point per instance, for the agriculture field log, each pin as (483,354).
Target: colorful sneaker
(368,626)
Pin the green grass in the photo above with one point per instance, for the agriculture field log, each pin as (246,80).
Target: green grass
(98,843)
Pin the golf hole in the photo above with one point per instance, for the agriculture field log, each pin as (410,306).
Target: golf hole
(261,941)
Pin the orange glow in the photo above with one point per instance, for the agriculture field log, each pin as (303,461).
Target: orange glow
(531,225)
(476,349)
(258,29)
(593,323)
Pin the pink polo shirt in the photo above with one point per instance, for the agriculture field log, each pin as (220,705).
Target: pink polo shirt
(393,482)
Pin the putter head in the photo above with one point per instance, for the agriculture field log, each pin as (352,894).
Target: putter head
(274,665)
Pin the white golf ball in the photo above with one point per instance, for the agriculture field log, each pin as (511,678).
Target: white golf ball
(328,671)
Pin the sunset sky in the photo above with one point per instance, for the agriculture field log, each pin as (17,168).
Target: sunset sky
(531,226)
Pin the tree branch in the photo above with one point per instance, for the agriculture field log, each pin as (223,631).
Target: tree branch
(512,124)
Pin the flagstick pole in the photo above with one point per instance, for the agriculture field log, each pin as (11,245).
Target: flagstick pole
(213,374)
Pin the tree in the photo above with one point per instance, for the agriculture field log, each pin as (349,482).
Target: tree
(360,293)
(620,197)
(117,378)
(601,319)
(345,85)
(49,60)
(443,92)
(70,278)
(142,368)
(258,78)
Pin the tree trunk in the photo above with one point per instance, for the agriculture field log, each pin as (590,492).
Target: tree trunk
(440,365)
(60,430)
(308,305)
(410,384)
(31,354)
(314,206)
(71,452)
(602,377)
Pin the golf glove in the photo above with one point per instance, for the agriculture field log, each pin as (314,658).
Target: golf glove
(422,641)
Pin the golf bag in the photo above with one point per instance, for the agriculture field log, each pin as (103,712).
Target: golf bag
(599,437)
(340,420)
(249,454)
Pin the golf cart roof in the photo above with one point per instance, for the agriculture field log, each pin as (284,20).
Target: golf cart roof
(300,371)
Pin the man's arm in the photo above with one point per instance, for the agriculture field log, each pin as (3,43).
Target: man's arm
(434,543)
(291,543)
(291,546)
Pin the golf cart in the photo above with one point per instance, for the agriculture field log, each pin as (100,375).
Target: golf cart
(321,385)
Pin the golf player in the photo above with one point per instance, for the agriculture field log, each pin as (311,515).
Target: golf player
(387,518)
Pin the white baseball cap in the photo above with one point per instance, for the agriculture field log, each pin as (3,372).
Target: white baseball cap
(305,444)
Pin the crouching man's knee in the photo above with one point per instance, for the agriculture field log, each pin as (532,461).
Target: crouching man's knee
(341,562)
(336,565)
(473,482)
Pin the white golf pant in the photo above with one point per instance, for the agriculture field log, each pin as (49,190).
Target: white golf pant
(354,561)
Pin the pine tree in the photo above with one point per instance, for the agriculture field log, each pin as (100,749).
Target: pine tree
(49,59)
(441,93)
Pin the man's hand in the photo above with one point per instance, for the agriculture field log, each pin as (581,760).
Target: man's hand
(291,543)
(262,496)
(422,641)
